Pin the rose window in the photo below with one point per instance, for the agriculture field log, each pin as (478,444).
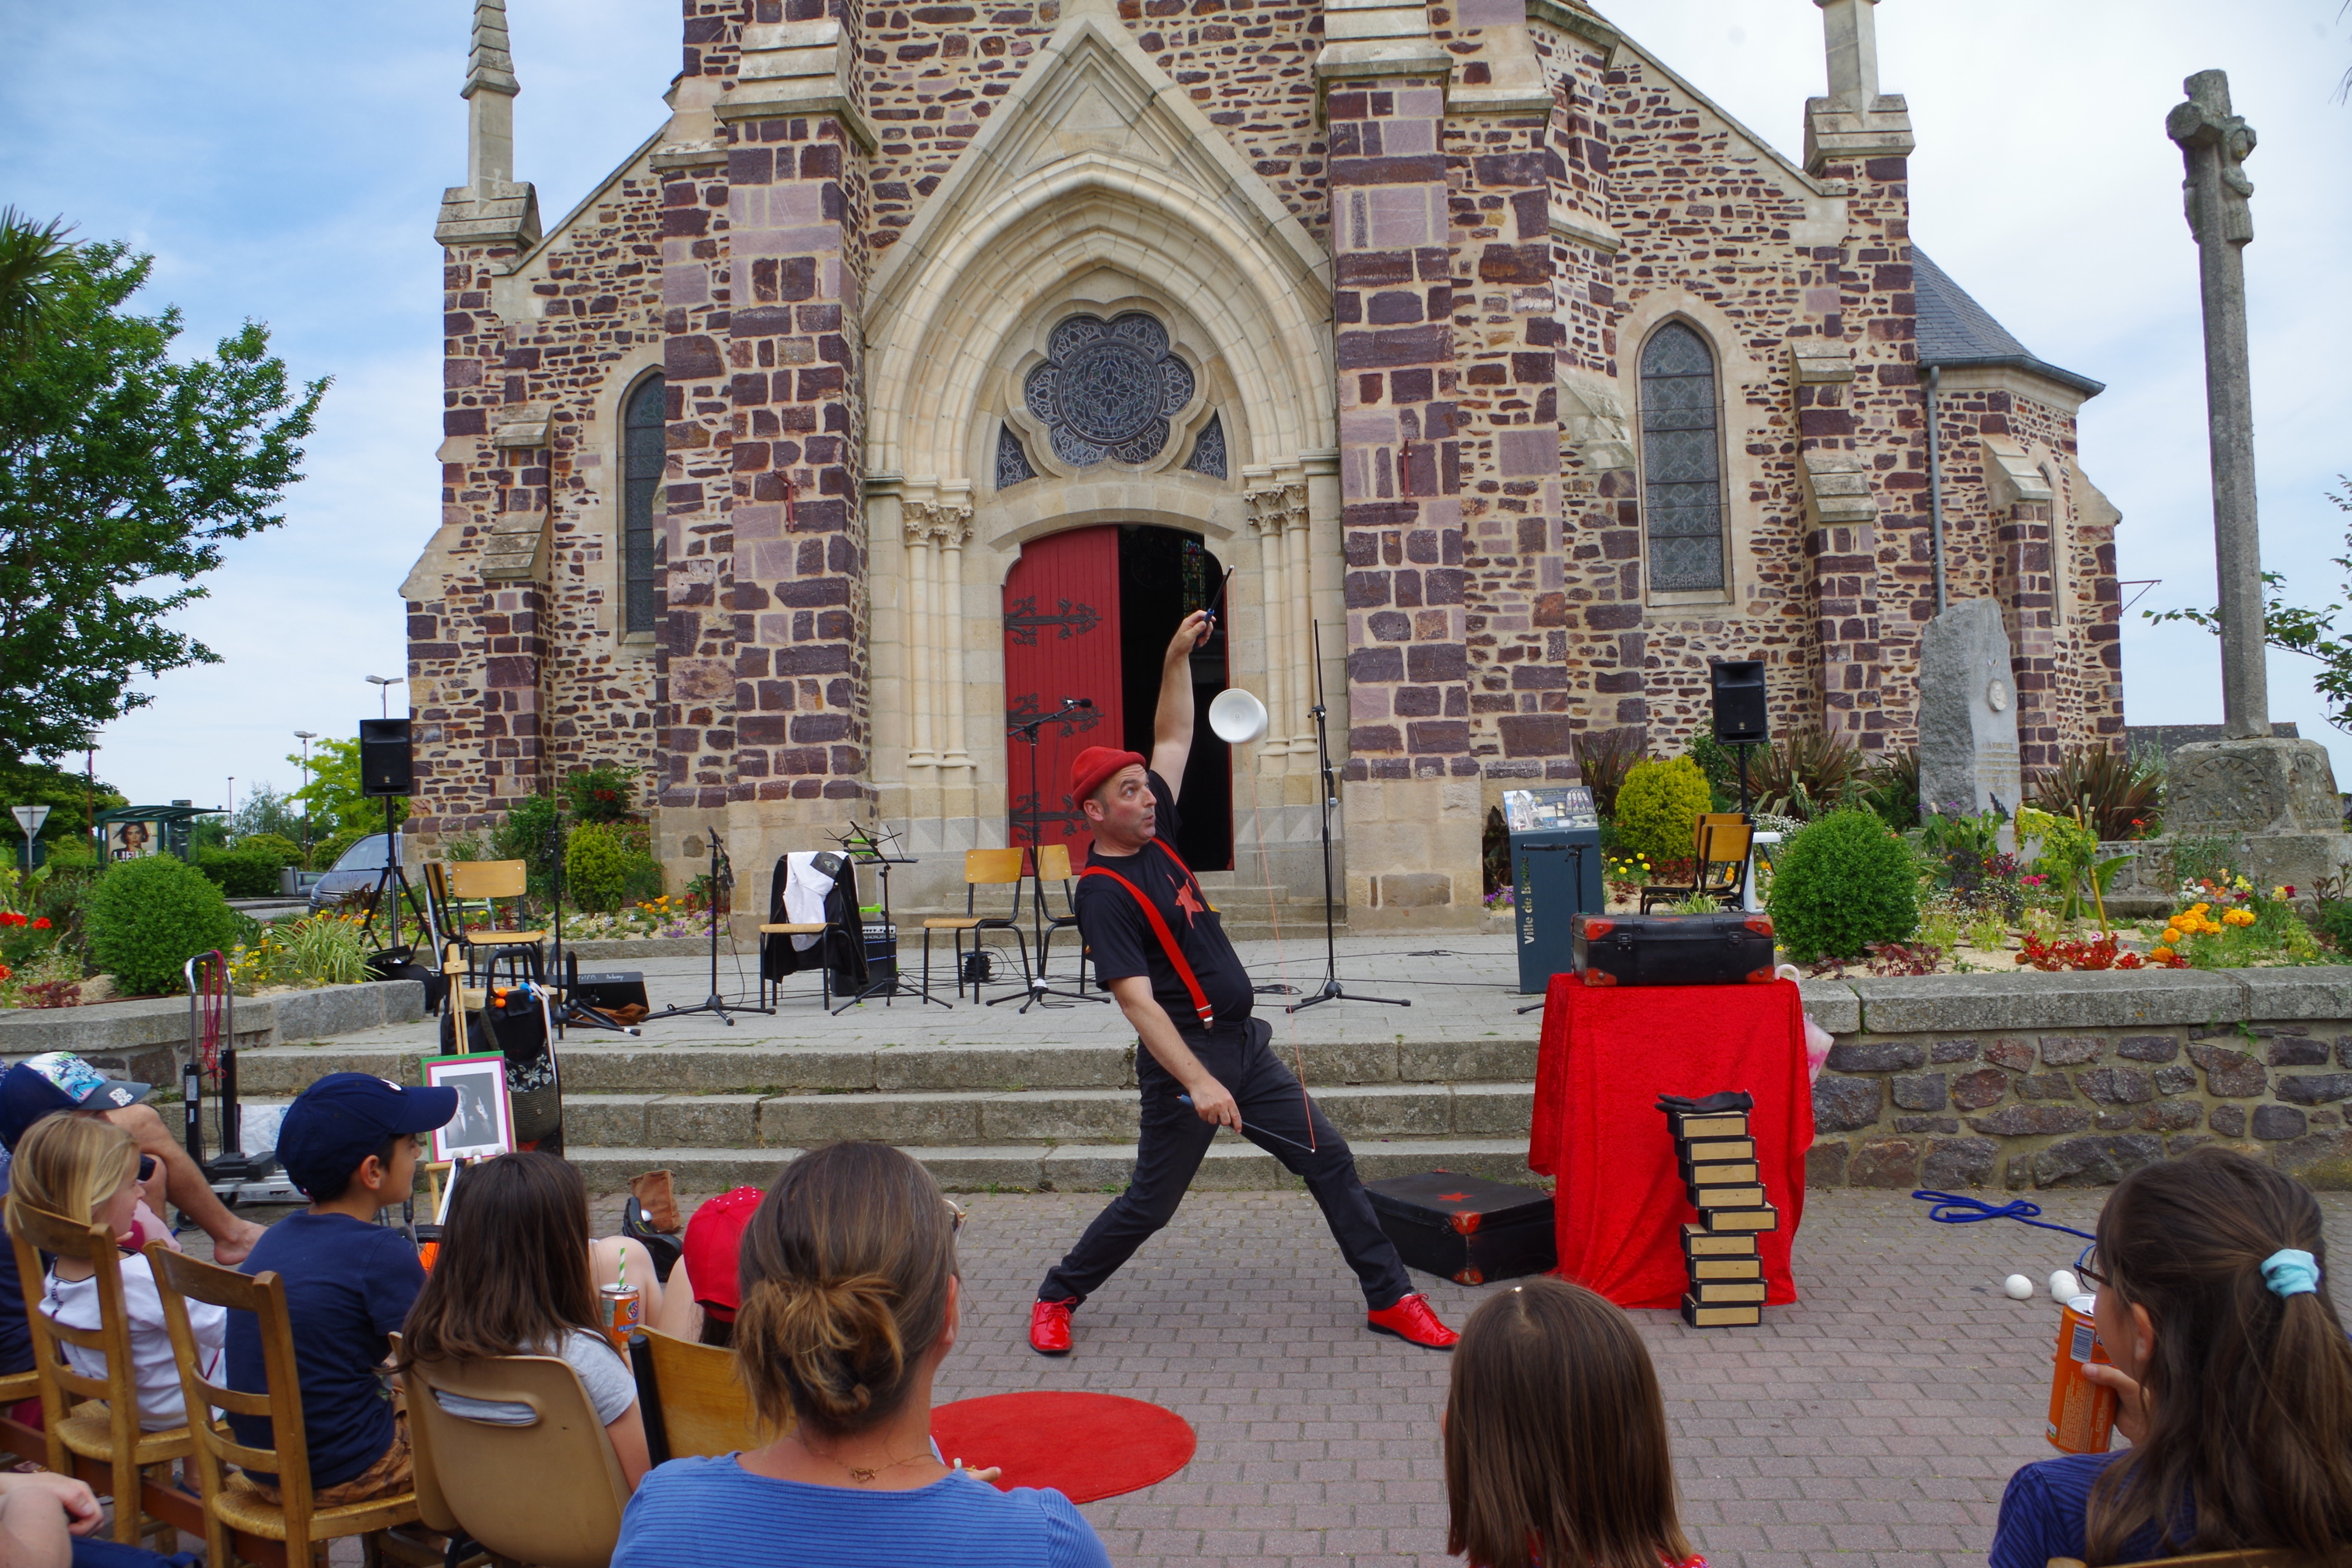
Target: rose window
(1108,389)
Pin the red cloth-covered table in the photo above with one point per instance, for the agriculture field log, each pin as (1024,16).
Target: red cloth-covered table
(1608,1053)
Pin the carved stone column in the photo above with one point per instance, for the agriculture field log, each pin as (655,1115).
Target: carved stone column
(936,532)
(1297,609)
(922,746)
(950,533)
(1267,513)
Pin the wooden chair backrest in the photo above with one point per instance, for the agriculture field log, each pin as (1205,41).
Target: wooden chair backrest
(487,880)
(550,1493)
(1722,843)
(704,1409)
(987,867)
(34,1232)
(180,1278)
(1053,863)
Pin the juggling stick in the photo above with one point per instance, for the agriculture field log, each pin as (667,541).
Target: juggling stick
(1186,1100)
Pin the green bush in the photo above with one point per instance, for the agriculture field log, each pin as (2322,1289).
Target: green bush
(1843,882)
(249,867)
(1658,808)
(528,835)
(2335,923)
(145,918)
(596,868)
(605,793)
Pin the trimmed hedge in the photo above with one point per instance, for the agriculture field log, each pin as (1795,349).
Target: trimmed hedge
(1840,884)
(148,917)
(1658,808)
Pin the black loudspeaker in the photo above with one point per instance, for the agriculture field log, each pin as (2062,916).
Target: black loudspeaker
(387,759)
(1739,685)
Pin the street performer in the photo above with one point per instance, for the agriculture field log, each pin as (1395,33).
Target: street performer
(1159,950)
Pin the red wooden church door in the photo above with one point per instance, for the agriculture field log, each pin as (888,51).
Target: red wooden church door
(1061,639)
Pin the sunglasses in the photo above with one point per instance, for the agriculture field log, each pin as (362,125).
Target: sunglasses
(146,1167)
(2087,1266)
(956,1216)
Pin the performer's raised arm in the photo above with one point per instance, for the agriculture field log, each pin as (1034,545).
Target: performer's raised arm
(1172,720)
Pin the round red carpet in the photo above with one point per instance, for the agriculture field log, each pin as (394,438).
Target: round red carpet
(1083,1445)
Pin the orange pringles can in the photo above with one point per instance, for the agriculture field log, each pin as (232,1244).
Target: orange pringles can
(2081,1413)
(623,1310)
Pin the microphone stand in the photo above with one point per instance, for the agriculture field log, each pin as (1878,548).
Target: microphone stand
(566,1008)
(1330,990)
(714,1003)
(1037,990)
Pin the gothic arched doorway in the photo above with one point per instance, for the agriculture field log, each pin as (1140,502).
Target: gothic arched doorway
(1087,614)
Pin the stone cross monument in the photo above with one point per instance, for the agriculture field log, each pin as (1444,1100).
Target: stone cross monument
(2275,799)
(1968,714)
(2215,144)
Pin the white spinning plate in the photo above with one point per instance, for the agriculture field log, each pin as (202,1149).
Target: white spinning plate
(1237,717)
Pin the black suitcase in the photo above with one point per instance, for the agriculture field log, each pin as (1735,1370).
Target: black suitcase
(1674,950)
(1466,1228)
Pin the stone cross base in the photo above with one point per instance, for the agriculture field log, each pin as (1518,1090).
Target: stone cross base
(2259,786)
(2149,886)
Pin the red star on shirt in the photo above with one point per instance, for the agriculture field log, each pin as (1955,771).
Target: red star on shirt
(1454,1197)
(1188,903)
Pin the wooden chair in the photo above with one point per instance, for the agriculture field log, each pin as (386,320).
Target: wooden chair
(1054,866)
(550,1493)
(15,1437)
(451,885)
(273,1534)
(981,868)
(106,1433)
(1720,842)
(691,1395)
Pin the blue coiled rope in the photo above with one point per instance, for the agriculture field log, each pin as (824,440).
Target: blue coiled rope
(1951,1208)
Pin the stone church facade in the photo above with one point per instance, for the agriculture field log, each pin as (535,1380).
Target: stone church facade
(1500,367)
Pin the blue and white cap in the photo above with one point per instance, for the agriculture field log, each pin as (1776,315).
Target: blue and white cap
(54,1081)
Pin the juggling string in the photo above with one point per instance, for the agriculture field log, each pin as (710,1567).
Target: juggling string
(1951,1208)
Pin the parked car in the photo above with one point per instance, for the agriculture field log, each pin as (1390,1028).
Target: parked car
(356,870)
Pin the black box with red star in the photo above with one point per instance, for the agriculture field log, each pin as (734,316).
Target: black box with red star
(1466,1228)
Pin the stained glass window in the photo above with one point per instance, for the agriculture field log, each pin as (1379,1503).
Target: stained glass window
(1012,459)
(1682,462)
(1208,449)
(1108,389)
(644,447)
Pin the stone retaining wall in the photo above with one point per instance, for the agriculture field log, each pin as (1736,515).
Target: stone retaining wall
(147,1039)
(2071,1081)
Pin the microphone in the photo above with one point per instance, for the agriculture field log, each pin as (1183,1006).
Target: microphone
(1086,702)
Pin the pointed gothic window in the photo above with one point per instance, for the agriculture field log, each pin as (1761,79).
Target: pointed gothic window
(643,451)
(1682,462)
(1208,449)
(1012,459)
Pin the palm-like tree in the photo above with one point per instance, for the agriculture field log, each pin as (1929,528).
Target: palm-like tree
(35,262)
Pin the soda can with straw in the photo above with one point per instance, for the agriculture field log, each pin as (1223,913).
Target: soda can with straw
(621,1308)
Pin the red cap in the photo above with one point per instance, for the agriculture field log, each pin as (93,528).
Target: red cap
(714,1239)
(1092,767)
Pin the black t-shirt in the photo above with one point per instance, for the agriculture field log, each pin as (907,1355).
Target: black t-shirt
(1125,945)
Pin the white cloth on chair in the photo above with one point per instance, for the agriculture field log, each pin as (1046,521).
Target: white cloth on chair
(806,888)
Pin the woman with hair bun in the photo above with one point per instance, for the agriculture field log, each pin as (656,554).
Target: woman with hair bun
(850,1300)
(2233,1373)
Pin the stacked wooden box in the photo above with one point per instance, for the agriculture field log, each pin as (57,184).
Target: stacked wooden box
(1717,1158)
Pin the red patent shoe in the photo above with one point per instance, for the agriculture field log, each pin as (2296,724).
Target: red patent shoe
(1411,1321)
(1049,1327)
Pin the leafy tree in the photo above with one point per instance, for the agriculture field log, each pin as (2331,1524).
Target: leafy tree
(63,792)
(338,809)
(35,262)
(2311,633)
(123,473)
(266,810)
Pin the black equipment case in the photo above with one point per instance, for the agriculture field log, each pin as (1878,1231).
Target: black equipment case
(1466,1228)
(1674,950)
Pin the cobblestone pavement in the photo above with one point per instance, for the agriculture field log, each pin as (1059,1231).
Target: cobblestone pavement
(1873,1423)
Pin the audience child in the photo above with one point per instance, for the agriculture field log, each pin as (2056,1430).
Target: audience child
(513,1279)
(59,1081)
(350,1142)
(714,1242)
(87,1170)
(849,1303)
(2233,1374)
(1556,1451)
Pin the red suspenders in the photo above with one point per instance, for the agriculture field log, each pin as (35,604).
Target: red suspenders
(1167,938)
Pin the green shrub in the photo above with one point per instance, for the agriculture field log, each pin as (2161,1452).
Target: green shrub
(528,835)
(147,917)
(1843,882)
(2335,923)
(249,867)
(76,850)
(1658,808)
(605,793)
(596,868)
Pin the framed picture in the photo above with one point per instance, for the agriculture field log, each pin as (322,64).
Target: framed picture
(484,1124)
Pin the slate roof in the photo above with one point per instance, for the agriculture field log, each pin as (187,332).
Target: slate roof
(1954,330)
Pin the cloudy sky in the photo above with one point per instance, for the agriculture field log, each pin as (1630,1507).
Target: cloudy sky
(283,161)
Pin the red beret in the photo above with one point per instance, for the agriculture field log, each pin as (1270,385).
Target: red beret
(714,1237)
(1091,768)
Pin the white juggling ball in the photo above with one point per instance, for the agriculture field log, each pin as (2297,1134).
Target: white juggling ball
(2019,1287)
(2063,1286)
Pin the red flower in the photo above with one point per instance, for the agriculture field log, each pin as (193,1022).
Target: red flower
(5,972)
(42,923)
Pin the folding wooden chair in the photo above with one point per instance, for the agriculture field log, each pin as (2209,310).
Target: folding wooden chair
(1719,864)
(107,1433)
(691,1394)
(981,868)
(285,1534)
(451,885)
(550,1493)
(1054,866)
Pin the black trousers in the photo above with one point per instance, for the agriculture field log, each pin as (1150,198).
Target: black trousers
(1174,1139)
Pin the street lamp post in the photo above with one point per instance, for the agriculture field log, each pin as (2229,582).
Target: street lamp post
(306,737)
(382,684)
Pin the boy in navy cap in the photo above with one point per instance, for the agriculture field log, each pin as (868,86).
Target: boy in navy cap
(350,1142)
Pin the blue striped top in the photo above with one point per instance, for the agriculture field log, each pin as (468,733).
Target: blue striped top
(690,1513)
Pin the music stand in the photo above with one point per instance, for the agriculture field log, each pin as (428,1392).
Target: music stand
(872,846)
(566,1008)
(1330,990)
(714,1003)
(1037,990)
